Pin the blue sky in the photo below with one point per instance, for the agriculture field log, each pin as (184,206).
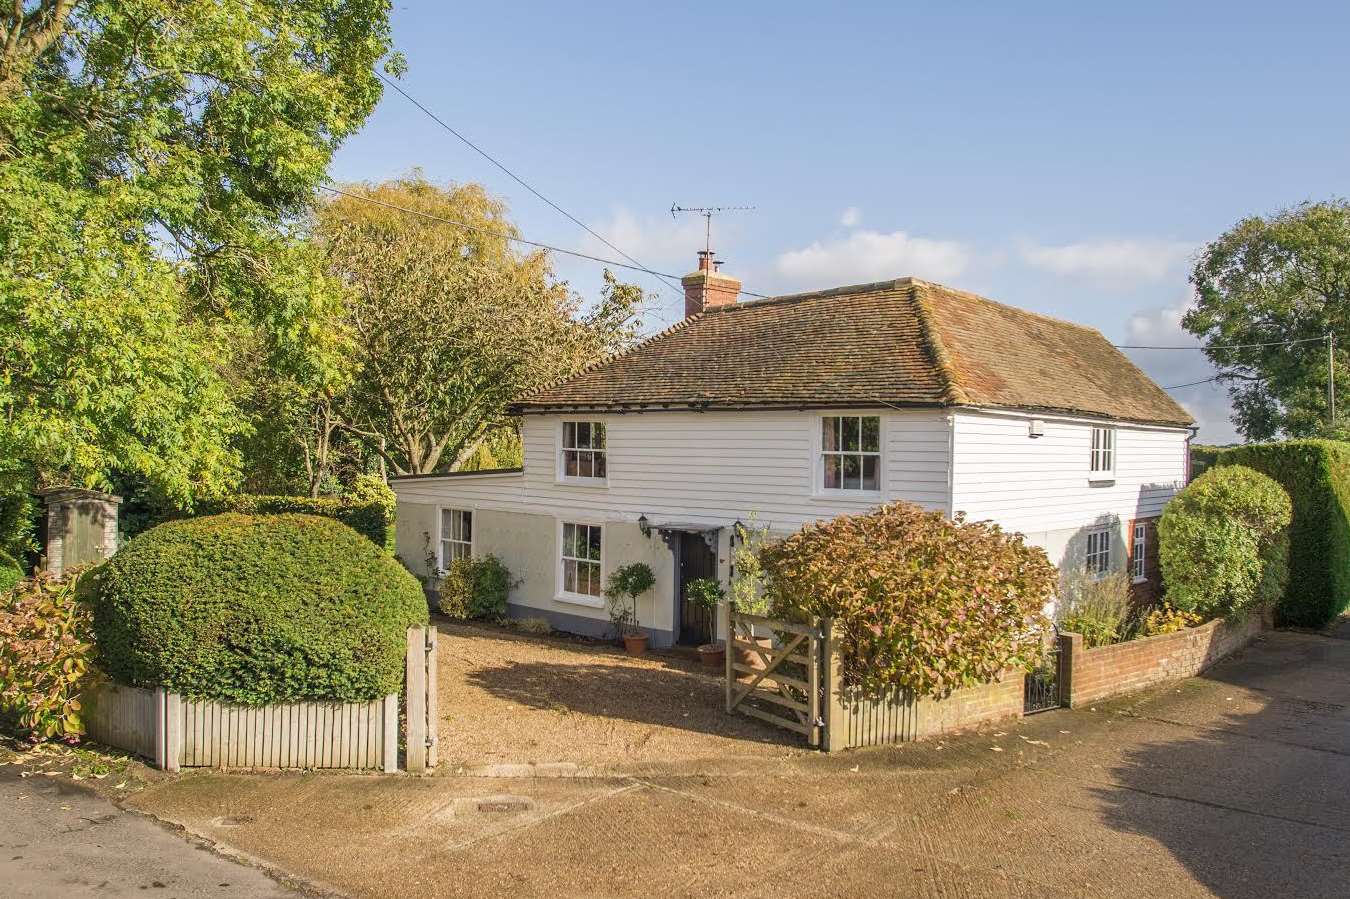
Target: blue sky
(1066,158)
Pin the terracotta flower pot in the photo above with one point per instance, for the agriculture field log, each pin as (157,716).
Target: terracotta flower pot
(752,659)
(636,644)
(712,655)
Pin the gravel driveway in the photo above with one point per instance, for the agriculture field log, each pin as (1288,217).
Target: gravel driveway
(511,699)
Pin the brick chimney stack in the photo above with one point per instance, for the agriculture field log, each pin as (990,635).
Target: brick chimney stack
(708,288)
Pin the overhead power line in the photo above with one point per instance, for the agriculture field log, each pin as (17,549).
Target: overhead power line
(1194,383)
(1222,346)
(481,230)
(519,180)
(505,236)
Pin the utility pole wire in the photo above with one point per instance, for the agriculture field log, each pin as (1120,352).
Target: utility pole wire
(521,181)
(1220,346)
(504,236)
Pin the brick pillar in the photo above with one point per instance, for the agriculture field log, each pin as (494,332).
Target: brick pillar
(81,527)
(1070,651)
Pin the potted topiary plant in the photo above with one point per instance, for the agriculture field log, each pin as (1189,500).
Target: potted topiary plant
(626,584)
(708,593)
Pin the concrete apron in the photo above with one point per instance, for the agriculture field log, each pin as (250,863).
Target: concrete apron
(1230,784)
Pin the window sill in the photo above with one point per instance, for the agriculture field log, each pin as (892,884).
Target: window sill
(1139,580)
(593,483)
(1104,481)
(580,599)
(822,496)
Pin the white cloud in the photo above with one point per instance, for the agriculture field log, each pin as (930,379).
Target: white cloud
(1208,403)
(851,217)
(1119,263)
(661,242)
(871,256)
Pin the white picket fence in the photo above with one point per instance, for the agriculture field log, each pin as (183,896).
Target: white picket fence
(174,732)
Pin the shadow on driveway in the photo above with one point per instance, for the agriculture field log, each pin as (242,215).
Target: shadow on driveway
(511,699)
(1255,792)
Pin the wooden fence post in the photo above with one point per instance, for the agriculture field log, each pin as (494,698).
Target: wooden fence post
(729,652)
(168,723)
(836,730)
(390,761)
(417,700)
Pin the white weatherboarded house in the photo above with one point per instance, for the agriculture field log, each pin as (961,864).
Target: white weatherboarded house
(805,407)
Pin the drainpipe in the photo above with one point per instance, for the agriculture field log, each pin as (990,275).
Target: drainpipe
(951,465)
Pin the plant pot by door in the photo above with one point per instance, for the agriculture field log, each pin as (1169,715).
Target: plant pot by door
(752,659)
(712,655)
(636,644)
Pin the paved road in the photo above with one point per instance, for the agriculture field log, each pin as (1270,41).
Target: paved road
(1230,785)
(57,840)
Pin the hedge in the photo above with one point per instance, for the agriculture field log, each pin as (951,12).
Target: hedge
(371,518)
(1223,543)
(255,609)
(919,602)
(1203,457)
(11,571)
(1316,475)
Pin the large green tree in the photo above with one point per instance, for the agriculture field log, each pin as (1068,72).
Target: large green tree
(449,323)
(1272,280)
(157,158)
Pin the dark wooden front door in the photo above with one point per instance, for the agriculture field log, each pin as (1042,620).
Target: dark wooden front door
(697,560)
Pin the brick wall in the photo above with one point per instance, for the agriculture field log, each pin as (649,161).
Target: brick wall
(1094,674)
(972,705)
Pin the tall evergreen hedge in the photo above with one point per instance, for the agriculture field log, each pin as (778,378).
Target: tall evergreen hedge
(371,518)
(255,609)
(1316,475)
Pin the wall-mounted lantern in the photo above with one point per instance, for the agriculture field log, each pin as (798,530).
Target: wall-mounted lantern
(645,526)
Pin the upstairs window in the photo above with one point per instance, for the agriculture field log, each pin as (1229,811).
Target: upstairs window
(456,535)
(850,450)
(583,450)
(581,551)
(1137,565)
(1098,557)
(1102,466)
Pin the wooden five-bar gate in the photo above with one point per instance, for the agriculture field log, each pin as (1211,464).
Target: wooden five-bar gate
(790,675)
(781,684)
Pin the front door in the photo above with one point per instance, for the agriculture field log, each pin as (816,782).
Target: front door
(697,560)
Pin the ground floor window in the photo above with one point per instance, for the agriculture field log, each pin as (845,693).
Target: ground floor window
(1098,553)
(581,559)
(456,535)
(1137,559)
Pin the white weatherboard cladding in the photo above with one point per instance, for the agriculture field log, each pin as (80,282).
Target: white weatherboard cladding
(707,468)
(1039,485)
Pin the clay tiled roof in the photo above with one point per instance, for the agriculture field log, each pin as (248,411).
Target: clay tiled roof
(903,343)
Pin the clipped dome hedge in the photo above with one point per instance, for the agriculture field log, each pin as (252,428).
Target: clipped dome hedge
(255,609)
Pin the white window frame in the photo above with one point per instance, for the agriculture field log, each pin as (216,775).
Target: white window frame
(1139,557)
(563,595)
(1101,538)
(441,562)
(819,454)
(561,455)
(1102,449)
